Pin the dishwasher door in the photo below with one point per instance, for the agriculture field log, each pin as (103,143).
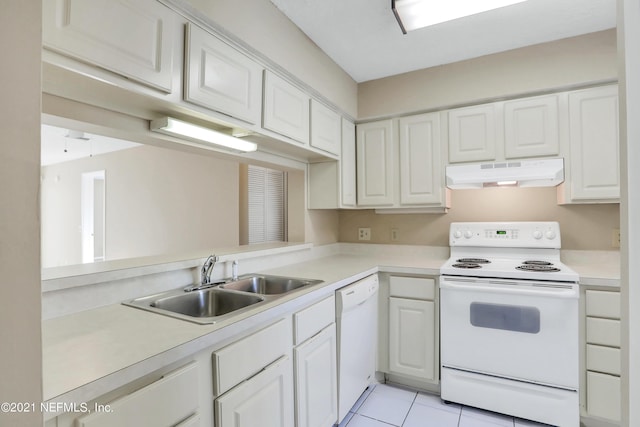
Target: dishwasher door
(357,321)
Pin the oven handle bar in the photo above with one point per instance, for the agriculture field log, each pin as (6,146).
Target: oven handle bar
(559,290)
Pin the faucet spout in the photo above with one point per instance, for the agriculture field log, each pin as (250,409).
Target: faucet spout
(207,268)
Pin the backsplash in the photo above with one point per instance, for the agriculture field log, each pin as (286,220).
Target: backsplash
(583,227)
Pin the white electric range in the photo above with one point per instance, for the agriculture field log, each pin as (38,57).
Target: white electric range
(509,322)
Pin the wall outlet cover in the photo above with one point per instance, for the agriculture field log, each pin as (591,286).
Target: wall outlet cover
(364,233)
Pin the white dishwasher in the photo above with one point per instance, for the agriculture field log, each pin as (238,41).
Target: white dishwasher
(357,321)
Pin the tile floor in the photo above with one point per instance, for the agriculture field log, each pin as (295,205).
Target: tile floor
(383,405)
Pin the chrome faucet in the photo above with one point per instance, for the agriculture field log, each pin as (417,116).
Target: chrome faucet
(234,270)
(207,268)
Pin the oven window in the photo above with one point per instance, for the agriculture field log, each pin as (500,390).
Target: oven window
(507,317)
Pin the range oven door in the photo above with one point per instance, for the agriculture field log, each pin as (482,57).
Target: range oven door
(513,329)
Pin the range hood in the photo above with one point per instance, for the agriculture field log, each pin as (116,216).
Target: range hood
(515,173)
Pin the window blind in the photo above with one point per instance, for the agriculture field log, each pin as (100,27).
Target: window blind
(266,205)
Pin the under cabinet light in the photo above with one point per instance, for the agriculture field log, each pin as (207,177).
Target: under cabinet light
(414,14)
(175,127)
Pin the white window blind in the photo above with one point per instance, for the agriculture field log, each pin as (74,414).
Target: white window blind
(266,205)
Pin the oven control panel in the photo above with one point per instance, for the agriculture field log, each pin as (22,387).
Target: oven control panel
(544,234)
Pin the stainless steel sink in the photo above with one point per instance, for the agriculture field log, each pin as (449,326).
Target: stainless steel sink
(202,306)
(214,302)
(268,285)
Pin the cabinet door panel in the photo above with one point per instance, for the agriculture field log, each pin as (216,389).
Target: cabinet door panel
(326,128)
(265,400)
(412,338)
(420,161)
(221,78)
(593,124)
(472,134)
(376,154)
(603,304)
(316,380)
(348,164)
(603,395)
(131,38)
(531,127)
(286,108)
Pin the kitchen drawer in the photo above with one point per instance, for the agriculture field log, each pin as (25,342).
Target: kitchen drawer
(140,408)
(603,359)
(311,320)
(603,331)
(603,304)
(412,287)
(603,395)
(243,359)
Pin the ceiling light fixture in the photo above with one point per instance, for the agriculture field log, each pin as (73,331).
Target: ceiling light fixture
(414,14)
(175,127)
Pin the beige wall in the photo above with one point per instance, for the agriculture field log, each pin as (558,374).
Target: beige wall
(20,313)
(583,227)
(262,26)
(158,201)
(574,61)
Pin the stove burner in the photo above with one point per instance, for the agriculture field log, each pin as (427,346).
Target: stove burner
(466,265)
(473,261)
(538,268)
(537,262)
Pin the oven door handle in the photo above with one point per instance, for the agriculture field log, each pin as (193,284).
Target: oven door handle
(512,288)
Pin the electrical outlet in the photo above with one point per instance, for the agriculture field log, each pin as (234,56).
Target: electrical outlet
(364,234)
(615,238)
(395,235)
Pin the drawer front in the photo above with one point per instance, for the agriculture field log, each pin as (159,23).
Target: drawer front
(245,358)
(603,359)
(140,408)
(412,287)
(603,395)
(603,331)
(311,320)
(603,304)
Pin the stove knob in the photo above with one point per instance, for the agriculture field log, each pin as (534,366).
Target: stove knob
(537,234)
(457,234)
(468,234)
(550,234)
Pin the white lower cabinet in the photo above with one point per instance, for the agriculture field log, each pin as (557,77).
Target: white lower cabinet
(265,400)
(178,392)
(413,338)
(601,381)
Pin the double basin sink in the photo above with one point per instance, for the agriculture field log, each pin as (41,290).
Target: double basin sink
(216,301)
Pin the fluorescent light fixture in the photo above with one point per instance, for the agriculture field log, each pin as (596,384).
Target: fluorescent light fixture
(175,127)
(507,183)
(414,14)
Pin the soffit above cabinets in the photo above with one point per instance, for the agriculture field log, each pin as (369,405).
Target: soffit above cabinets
(364,38)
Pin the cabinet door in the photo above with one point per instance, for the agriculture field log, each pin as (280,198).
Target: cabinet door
(593,127)
(603,395)
(420,161)
(472,134)
(286,108)
(531,127)
(131,38)
(376,157)
(265,400)
(348,164)
(317,380)
(221,78)
(326,128)
(412,346)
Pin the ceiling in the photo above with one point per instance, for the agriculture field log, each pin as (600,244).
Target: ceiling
(61,145)
(363,36)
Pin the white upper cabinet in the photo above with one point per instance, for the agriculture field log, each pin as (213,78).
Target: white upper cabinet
(531,127)
(420,169)
(348,164)
(594,145)
(130,38)
(326,128)
(219,77)
(472,133)
(286,108)
(376,158)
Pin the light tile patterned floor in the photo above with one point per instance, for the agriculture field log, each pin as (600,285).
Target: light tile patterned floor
(384,405)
